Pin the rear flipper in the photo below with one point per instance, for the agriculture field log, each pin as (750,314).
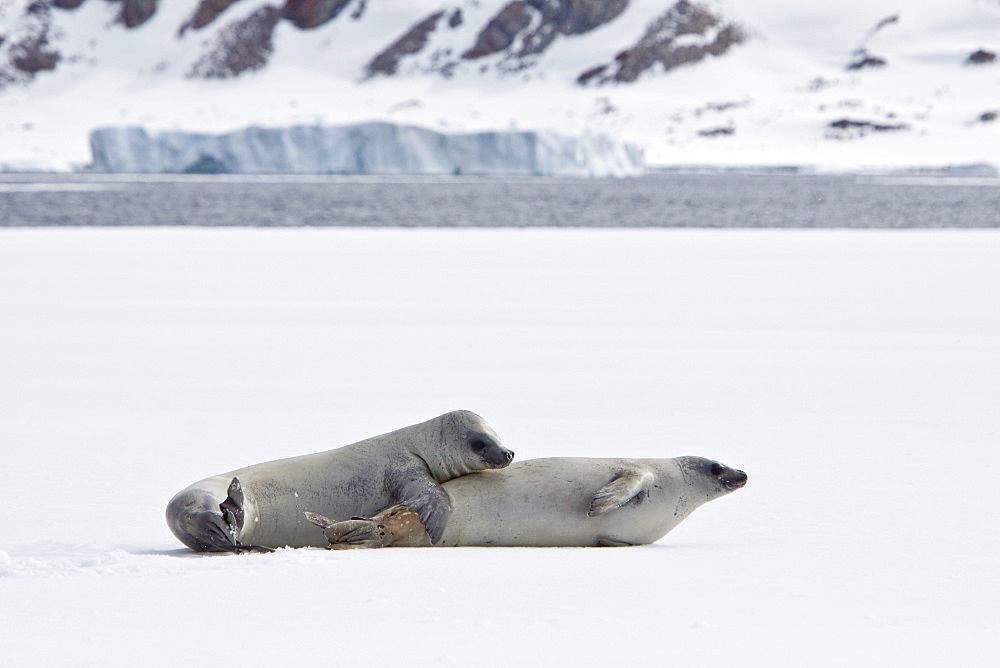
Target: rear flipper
(397,526)
(204,529)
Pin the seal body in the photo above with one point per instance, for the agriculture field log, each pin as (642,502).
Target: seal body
(262,506)
(561,501)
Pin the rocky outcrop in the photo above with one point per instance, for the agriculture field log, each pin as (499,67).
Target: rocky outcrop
(136,12)
(206,12)
(848,128)
(67,4)
(31,51)
(243,46)
(863,60)
(684,34)
(313,13)
(410,43)
(527,28)
(981,57)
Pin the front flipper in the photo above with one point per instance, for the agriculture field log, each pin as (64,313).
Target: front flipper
(624,487)
(428,500)
(433,507)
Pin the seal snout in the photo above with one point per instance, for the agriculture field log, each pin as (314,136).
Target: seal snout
(499,458)
(736,479)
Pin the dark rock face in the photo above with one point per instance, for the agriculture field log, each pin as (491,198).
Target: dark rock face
(846,128)
(312,13)
(207,11)
(243,46)
(555,17)
(725,131)
(501,31)
(988,116)
(658,44)
(412,42)
(32,53)
(67,4)
(981,57)
(136,12)
(864,60)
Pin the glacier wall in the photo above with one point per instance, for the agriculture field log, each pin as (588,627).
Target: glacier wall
(366,148)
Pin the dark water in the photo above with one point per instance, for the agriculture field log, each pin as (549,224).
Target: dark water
(656,200)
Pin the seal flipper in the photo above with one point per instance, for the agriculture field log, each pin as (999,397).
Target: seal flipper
(397,525)
(356,532)
(433,506)
(428,500)
(232,509)
(624,487)
(232,514)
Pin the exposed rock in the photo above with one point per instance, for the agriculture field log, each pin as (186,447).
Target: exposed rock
(455,20)
(312,13)
(981,57)
(33,55)
(887,21)
(846,128)
(591,73)
(67,4)
(136,12)
(501,31)
(207,11)
(243,46)
(988,116)
(668,41)
(547,19)
(32,52)
(861,59)
(864,60)
(717,132)
(412,42)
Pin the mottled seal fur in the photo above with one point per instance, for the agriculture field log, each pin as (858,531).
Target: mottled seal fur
(560,501)
(261,506)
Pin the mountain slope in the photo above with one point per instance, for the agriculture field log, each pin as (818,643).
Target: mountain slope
(692,82)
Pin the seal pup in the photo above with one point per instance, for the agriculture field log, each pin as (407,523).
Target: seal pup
(260,507)
(554,502)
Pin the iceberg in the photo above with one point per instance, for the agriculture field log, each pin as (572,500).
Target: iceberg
(365,148)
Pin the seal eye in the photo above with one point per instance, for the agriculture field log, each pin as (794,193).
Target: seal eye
(717,469)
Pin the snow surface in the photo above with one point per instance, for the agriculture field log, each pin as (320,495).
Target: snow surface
(854,375)
(366,148)
(778,92)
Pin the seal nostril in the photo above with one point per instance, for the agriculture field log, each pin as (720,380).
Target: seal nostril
(510,455)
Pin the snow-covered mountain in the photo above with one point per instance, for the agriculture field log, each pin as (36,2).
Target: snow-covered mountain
(858,82)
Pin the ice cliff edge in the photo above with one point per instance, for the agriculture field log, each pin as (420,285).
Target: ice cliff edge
(366,148)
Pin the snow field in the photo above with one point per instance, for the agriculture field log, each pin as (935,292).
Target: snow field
(853,375)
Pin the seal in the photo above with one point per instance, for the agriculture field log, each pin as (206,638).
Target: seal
(261,507)
(554,502)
